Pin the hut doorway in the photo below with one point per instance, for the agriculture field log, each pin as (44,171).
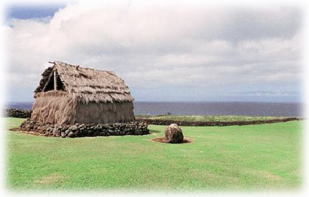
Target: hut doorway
(53,83)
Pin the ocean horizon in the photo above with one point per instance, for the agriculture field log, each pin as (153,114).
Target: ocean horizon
(205,108)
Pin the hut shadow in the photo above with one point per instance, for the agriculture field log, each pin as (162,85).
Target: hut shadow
(163,140)
(154,131)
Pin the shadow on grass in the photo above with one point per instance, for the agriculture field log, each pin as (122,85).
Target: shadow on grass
(154,131)
(163,140)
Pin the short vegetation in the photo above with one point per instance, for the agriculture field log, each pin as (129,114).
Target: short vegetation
(251,157)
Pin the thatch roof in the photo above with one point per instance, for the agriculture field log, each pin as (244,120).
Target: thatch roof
(86,84)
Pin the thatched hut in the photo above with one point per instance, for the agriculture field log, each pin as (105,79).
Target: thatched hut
(69,94)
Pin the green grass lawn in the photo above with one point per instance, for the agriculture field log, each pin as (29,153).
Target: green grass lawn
(266,156)
(209,118)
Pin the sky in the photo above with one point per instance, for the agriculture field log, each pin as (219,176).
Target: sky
(172,52)
(31,11)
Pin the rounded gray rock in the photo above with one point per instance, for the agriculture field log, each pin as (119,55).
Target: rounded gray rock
(173,134)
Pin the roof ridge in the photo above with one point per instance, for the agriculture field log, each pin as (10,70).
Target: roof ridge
(60,63)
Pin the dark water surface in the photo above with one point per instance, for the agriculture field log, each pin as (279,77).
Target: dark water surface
(207,108)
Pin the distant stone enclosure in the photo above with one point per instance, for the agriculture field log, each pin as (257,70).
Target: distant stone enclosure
(215,123)
(18,113)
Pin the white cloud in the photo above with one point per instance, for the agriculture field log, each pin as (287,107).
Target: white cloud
(153,46)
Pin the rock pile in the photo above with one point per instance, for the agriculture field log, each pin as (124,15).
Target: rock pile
(173,134)
(82,130)
(18,113)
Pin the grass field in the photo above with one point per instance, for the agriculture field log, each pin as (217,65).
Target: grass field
(266,156)
(209,118)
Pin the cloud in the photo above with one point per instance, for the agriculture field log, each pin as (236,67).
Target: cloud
(212,49)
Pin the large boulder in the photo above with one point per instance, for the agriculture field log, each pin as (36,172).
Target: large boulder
(173,134)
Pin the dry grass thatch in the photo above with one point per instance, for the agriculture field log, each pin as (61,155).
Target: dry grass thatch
(60,107)
(54,107)
(86,84)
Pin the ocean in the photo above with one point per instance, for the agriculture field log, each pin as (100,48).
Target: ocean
(206,108)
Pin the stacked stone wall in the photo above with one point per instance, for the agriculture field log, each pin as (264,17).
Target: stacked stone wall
(84,130)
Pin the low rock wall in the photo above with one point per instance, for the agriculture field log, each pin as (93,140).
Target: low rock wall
(18,113)
(213,123)
(83,130)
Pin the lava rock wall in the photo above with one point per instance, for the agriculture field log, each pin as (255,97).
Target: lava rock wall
(18,113)
(83,130)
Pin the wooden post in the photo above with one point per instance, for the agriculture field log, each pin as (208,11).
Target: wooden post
(55,80)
